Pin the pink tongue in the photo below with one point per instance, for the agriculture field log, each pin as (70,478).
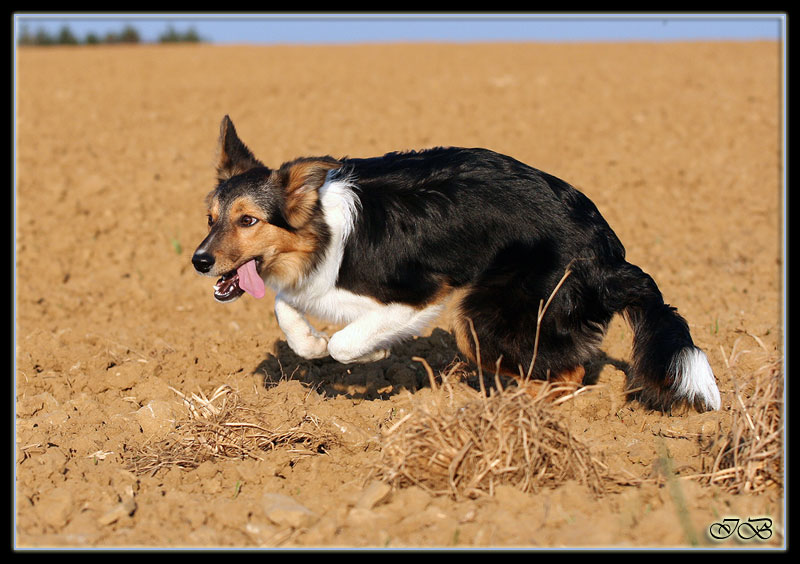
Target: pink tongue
(249,280)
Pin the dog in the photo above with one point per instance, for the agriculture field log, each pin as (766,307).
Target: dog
(381,244)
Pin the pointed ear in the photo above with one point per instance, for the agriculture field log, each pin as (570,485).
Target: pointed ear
(302,180)
(233,156)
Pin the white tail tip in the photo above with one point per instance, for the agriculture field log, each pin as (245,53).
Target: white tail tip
(695,380)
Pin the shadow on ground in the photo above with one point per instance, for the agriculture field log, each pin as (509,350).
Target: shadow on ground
(394,374)
(364,381)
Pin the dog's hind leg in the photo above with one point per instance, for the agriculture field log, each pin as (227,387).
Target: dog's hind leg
(500,328)
(552,378)
(556,385)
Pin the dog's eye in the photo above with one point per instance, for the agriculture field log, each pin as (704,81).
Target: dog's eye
(210,221)
(247,221)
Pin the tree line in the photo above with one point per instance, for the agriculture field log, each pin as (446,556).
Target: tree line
(127,35)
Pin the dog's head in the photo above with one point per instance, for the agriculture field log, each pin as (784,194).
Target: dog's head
(264,224)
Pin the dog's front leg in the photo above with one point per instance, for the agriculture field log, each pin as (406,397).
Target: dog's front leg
(369,337)
(303,339)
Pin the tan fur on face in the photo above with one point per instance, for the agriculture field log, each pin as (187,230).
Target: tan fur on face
(285,256)
(213,206)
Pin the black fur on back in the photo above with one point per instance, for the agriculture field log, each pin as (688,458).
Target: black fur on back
(448,215)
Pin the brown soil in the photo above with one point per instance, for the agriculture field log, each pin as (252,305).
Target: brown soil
(679,145)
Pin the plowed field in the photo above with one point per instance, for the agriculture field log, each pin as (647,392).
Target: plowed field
(678,144)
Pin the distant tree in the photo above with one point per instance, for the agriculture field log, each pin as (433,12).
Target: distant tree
(173,36)
(191,36)
(66,37)
(43,38)
(169,36)
(25,37)
(129,35)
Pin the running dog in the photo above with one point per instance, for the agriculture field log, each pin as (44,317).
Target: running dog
(381,244)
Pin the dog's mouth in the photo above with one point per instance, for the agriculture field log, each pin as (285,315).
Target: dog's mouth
(227,287)
(238,281)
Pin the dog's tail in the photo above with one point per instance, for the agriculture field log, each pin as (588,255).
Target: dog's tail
(667,367)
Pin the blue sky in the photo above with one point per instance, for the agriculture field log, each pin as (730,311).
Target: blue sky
(357,28)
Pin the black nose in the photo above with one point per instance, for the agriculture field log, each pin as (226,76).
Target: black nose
(202,261)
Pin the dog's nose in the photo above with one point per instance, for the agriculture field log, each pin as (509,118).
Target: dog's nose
(202,261)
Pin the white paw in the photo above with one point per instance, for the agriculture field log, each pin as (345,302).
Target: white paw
(348,353)
(312,345)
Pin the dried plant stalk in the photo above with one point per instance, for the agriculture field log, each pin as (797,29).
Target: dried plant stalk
(749,456)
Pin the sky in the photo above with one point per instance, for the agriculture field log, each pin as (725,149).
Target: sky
(455,27)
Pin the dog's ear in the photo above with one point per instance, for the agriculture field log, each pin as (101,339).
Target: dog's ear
(233,156)
(302,180)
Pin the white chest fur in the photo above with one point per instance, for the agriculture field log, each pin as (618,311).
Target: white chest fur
(372,326)
(317,294)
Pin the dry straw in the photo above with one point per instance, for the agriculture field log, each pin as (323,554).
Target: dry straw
(221,428)
(465,450)
(748,457)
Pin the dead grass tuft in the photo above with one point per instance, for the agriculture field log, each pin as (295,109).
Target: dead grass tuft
(748,457)
(511,437)
(466,449)
(222,428)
